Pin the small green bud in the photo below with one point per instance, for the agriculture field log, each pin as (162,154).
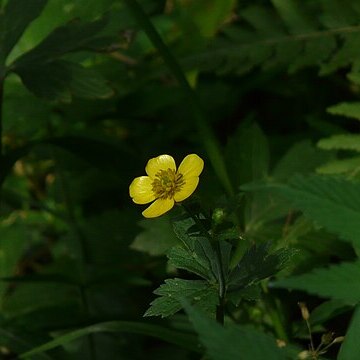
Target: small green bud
(218,216)
(327,338)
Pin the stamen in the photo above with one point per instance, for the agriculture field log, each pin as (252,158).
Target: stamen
(167,183)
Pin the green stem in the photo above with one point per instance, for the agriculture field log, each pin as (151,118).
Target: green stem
(2,174)
(1,113)
(209,140)
(274,314)
(220,276)
(222,286)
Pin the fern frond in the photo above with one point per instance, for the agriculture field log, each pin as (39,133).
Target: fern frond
(341,142)
(286,34)
(345,166)
(348,109)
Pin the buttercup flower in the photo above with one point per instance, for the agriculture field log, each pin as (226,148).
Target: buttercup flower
(164,185)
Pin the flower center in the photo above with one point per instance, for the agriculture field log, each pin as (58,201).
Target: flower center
(167,183)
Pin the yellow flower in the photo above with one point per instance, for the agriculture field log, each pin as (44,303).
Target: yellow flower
(165,184)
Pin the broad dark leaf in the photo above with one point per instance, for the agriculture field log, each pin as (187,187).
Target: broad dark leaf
(14,19)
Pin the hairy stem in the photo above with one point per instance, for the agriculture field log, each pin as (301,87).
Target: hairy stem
(209,140)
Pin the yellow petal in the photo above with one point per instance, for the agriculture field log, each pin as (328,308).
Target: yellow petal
(191,166)
(141,190)
(158,207)
(162,162)
(187,189)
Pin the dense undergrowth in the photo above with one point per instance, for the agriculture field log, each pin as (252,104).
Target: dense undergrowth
(259,260)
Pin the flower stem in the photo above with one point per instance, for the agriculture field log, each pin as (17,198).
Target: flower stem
(209,140)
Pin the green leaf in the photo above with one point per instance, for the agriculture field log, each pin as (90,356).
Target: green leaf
(328,310)
(258,264)
(263,19)
(344,56)
(182,227)
(14,19)
(182,258)
(347,109)
(343,166)
(330,201)
(171,336)
(233,342)
(12,246)
(293,15)
(333,282)
(210,15)
(301,158)
(74,36)
(61,80)
(250,293)
(350,348)
(29,297)
(157,237)
(341,142)
(199,292)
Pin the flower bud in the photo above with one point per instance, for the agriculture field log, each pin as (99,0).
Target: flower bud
(218,215)
(338,339)
(304,355)
(304,311)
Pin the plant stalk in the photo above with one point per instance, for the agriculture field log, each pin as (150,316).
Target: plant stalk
(208,138)
(220,312)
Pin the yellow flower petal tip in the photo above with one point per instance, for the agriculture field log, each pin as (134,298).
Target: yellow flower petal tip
(164,184)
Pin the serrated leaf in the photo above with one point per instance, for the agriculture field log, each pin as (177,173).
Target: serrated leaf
(181,228)
(181,258)
(250,293)
(301,158)
(233,342)
(330,201)
(337,282)
(258,264)
(14,19)
(341,142)
(156,238)
(347,109)
(199,292)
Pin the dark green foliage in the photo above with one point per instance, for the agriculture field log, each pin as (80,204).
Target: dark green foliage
(332,202)
(286,34)
(233,341)
(333,282)
(258,264)
(91,90)
(14,19)
(198,291)
(351,348)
